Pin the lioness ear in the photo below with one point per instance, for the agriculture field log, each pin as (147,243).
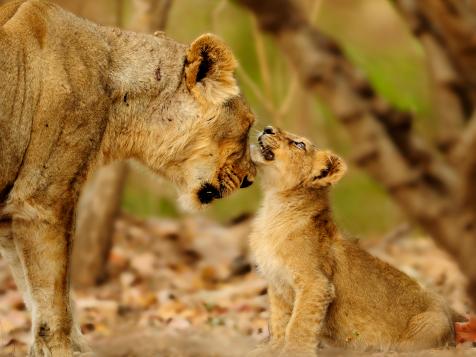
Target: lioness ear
(209,70)
(328,169)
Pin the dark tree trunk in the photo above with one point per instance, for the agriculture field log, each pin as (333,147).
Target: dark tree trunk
(97,211)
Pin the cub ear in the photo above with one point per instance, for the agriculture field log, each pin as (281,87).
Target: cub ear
(328,169)
(209,70)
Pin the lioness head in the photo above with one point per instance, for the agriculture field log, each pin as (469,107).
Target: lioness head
(189,122)
(287,162)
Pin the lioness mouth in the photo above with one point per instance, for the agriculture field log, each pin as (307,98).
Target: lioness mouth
(208,193)
(266,151)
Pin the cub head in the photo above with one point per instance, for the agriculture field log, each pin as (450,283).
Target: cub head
(288,162)
(185,117)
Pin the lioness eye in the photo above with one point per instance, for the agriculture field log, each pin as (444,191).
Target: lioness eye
(299,145)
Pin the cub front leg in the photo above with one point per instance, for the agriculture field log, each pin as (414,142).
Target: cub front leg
(280,313)
(43,241)
(312,298)
(281,310)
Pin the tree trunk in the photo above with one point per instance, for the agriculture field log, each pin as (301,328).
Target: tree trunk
(428,187)
(97,211)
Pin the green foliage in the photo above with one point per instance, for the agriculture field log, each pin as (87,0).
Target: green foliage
(361,207)
(242,202)
(408,90)
(144,195)
(377,40)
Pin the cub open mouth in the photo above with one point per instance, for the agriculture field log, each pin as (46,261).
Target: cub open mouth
(208,193)
(266,151)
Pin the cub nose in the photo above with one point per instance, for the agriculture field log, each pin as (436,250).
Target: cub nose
(246,182)
(269,130)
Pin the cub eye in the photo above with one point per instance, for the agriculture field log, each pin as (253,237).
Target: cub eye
(299,145)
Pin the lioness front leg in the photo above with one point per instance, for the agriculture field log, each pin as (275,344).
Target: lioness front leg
(43,244)
(9,253)
(312,298)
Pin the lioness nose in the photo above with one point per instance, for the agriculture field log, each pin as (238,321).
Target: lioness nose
(268,130)
(246,182)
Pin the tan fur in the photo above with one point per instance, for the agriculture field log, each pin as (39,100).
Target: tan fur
(75,95)
(322,286)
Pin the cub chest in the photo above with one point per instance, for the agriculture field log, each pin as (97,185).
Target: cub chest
(269,263)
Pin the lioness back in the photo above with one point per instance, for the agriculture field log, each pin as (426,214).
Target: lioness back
(13,140)
(40,75)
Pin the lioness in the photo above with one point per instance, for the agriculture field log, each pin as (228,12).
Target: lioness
(75,95)
(322,286)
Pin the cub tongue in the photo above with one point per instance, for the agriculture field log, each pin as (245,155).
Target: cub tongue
(268,154)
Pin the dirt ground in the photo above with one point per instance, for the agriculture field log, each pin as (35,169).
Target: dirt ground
(186,288)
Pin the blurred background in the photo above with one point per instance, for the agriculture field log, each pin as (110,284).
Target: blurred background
(389,85)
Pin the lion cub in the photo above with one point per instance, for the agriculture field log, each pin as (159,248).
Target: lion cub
(322,286)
